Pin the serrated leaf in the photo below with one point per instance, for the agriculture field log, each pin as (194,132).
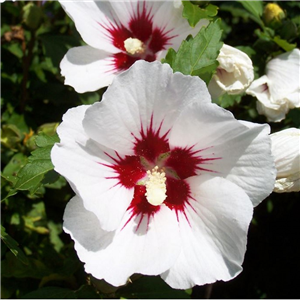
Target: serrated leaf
(198,56)
(13,246)
(194,13)
(39,163)
(32,174)
(254,7)
(43,140)
(284,44)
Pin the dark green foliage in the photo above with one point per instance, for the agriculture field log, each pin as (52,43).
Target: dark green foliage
(38,258)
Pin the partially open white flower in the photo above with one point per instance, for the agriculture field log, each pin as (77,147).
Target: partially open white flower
(279,90)
(117,34)
(165,180)
(286,151)
(234,73)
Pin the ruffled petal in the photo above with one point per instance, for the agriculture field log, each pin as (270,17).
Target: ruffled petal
(85,165)
(213,233)
(255,170)
(127,108)
(283,72)
(276,114)
(168,18)
(259,88)
(91,19)
(149,247)
(227,147)
(235,70)
(286,150)
(87,69)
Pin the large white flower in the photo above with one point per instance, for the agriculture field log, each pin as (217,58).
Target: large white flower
(286,151)
(117,34)
(234,73)
(165,180)
(279,90)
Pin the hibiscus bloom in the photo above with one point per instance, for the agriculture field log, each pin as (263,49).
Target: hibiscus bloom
(165,180)
(117,34)
(286,151)
(279,90)
(234,73)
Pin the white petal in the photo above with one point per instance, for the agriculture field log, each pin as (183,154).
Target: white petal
(87,69)
(115,256)
(214,88)
(79,159)
(241,154)
(287,185)
(274,110)
(273,114)
(235,70)
(169,18)
(255,171)
(286,150)
(259,88)
(283,72)
(157,94)
(214,237)
(90,18)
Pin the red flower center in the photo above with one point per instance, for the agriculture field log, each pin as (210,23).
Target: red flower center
(140,28)
(152,150)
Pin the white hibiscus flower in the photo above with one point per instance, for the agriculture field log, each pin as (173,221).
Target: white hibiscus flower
(165,180)
(234,73)
(286,151)
(117,34)
(279,90)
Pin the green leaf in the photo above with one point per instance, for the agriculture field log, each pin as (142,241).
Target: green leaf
(198,56)
(228,100)
(39,163)
(12,168)
(284,44)
(254,7)
(13,246)
(43,140)
(194,13)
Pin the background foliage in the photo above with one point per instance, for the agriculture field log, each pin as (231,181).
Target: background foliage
(38,258)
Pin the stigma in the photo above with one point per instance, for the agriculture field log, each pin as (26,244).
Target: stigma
(156,187)
(134,46)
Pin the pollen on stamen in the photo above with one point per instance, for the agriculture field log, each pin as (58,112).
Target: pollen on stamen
(156,187)
(134,46)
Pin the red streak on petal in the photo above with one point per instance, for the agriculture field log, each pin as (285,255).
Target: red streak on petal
(141,23)
(122,61)
(139,206)
(151,144)
(159,40)
(185,162)
(129,170)
(118,34)
(178,193)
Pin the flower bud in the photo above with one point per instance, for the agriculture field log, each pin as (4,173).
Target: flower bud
(286,152)
(234,73)
(273,14)
(32,15)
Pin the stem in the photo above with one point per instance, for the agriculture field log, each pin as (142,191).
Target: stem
(26,61)
(208,291)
